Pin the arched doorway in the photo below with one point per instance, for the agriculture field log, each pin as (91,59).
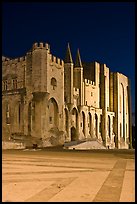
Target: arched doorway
(90,123)
(66,120)
(83,123)
(101,126)
(73,134)
(53,113)
(74,117)
(96,125)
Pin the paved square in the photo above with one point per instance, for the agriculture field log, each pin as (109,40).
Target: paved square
(68,175)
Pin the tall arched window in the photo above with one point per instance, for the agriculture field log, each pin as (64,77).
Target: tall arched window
(90,123)
(54,83)
(83,122)
(7,114)
(108,125)
(14,83)
(66,120)
(53,113)
(5,85)
(96,124)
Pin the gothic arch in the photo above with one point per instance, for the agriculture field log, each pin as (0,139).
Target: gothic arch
(73,134)
(101,126)
(90,123)
(83,121)
(66,119)
(53,112)
(74,115)
(53,83)
(96,125)
(108,125)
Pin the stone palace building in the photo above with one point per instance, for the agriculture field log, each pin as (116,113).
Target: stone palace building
(49,101)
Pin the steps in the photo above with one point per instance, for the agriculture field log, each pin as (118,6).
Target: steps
(93,144)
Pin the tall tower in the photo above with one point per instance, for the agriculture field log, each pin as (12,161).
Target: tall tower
(68,76)
(78,77)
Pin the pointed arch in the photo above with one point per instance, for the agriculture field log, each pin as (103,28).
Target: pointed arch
(96,125)
(73,134)
(83,122)
(66,120)
(53,112)
(74,115)
(90,123)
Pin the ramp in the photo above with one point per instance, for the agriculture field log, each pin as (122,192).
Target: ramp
(86,145)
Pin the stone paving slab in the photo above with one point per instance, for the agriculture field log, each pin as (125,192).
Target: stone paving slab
(82,189)
(129,187)
(68,176)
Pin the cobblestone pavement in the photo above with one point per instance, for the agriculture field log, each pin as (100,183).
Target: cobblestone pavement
(79,176)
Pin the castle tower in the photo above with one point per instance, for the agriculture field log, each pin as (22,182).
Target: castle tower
(78,77)
(68,76)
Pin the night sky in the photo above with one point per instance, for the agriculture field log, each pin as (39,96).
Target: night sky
(104,32)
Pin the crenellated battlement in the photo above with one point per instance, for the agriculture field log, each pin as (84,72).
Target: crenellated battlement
(5,58)
(41,45)
(8,61)
(56,60)
(46,46)
(89,82)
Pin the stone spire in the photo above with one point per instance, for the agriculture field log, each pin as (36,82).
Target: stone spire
(68,57)
(78,62)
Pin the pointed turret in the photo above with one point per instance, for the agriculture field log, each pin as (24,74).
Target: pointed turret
(68,57)
(78,62)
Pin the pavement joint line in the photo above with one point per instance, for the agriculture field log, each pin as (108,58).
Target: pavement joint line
(54,189)
(34,179)
(112,184)
(72,167)
(46,172)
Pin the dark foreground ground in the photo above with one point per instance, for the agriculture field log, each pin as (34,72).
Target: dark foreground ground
(55,174)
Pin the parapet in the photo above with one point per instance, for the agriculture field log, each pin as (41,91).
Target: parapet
(89,82)
(56,60)
(8,61)
(41,45)
(5,58)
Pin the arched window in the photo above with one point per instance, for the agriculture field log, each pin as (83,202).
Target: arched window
(96,124)
(7,114)
(5,85)
(14,83)
(83,122)
(53,113)
(66,120)
(54,83)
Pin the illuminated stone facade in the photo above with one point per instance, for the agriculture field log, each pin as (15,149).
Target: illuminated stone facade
(48,101)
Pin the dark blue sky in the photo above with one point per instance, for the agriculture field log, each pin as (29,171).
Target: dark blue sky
(104,32)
